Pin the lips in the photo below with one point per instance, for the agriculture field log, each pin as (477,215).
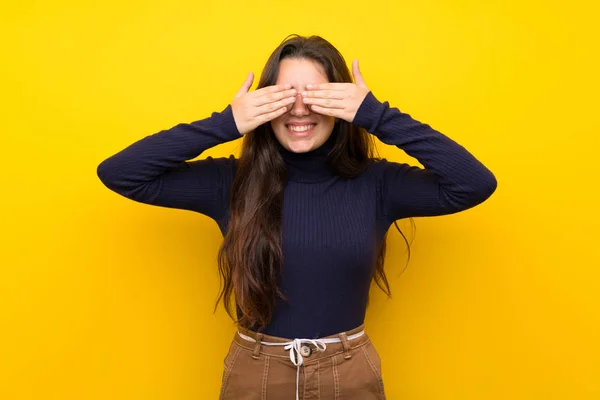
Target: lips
(300,129)
(300,123)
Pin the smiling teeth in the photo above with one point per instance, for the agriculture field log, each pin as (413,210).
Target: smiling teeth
(303,128)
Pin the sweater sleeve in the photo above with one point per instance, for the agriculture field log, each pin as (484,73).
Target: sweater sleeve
(453,179)
(155,170)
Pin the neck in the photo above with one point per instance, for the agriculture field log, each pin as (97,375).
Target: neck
(312,166)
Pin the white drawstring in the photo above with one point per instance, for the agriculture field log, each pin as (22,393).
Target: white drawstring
(295,345)
(294,348)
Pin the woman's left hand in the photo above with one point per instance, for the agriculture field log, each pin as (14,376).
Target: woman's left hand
(340,100)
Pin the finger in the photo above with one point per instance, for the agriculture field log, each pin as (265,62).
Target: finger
(272,115)
(272,97)
(273,106)
(246,86)
(271,89)
(327,103)
(328,86)
(357,74)
(333,112)
(324,94)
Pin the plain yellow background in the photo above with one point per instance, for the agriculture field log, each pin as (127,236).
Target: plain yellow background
(102,297)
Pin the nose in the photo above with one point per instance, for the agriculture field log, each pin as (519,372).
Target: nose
(299,109)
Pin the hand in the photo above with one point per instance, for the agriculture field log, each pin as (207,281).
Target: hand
(340,100)
(251,109)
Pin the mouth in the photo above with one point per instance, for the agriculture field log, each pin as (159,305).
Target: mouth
(300,130)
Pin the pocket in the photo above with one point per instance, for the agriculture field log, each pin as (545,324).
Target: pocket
(228,363)
(374,357)
(374,362)
(232,353)
(357,377)
(244,377)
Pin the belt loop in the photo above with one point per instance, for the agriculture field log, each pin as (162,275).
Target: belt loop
(346,345)
(259,337)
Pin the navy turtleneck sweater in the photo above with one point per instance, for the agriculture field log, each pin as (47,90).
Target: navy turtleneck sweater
(332,227)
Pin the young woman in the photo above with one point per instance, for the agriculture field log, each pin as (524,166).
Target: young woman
(304,213)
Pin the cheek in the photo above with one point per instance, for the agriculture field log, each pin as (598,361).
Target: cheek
(327,122)
(277,122)
(278,126)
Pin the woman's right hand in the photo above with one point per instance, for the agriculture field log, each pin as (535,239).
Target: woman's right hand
(251,109)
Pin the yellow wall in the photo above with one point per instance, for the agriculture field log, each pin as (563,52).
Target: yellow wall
(102,297)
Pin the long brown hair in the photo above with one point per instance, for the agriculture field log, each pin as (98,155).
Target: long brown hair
(250,257)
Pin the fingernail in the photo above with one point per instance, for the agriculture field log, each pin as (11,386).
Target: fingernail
(309,86)
(304,94)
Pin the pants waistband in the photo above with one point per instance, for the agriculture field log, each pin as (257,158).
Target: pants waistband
(343,344)
(300,350)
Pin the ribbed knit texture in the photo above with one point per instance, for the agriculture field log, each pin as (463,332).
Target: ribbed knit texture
(332,227)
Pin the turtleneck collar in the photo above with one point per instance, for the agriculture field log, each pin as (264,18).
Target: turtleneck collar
(309,167)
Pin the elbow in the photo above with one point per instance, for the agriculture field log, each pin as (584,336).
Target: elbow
(103,171)
(475,193)
(109,175)
(485,187)
(115,177)
(490,185)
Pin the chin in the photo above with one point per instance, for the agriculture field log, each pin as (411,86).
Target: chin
(303,146)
